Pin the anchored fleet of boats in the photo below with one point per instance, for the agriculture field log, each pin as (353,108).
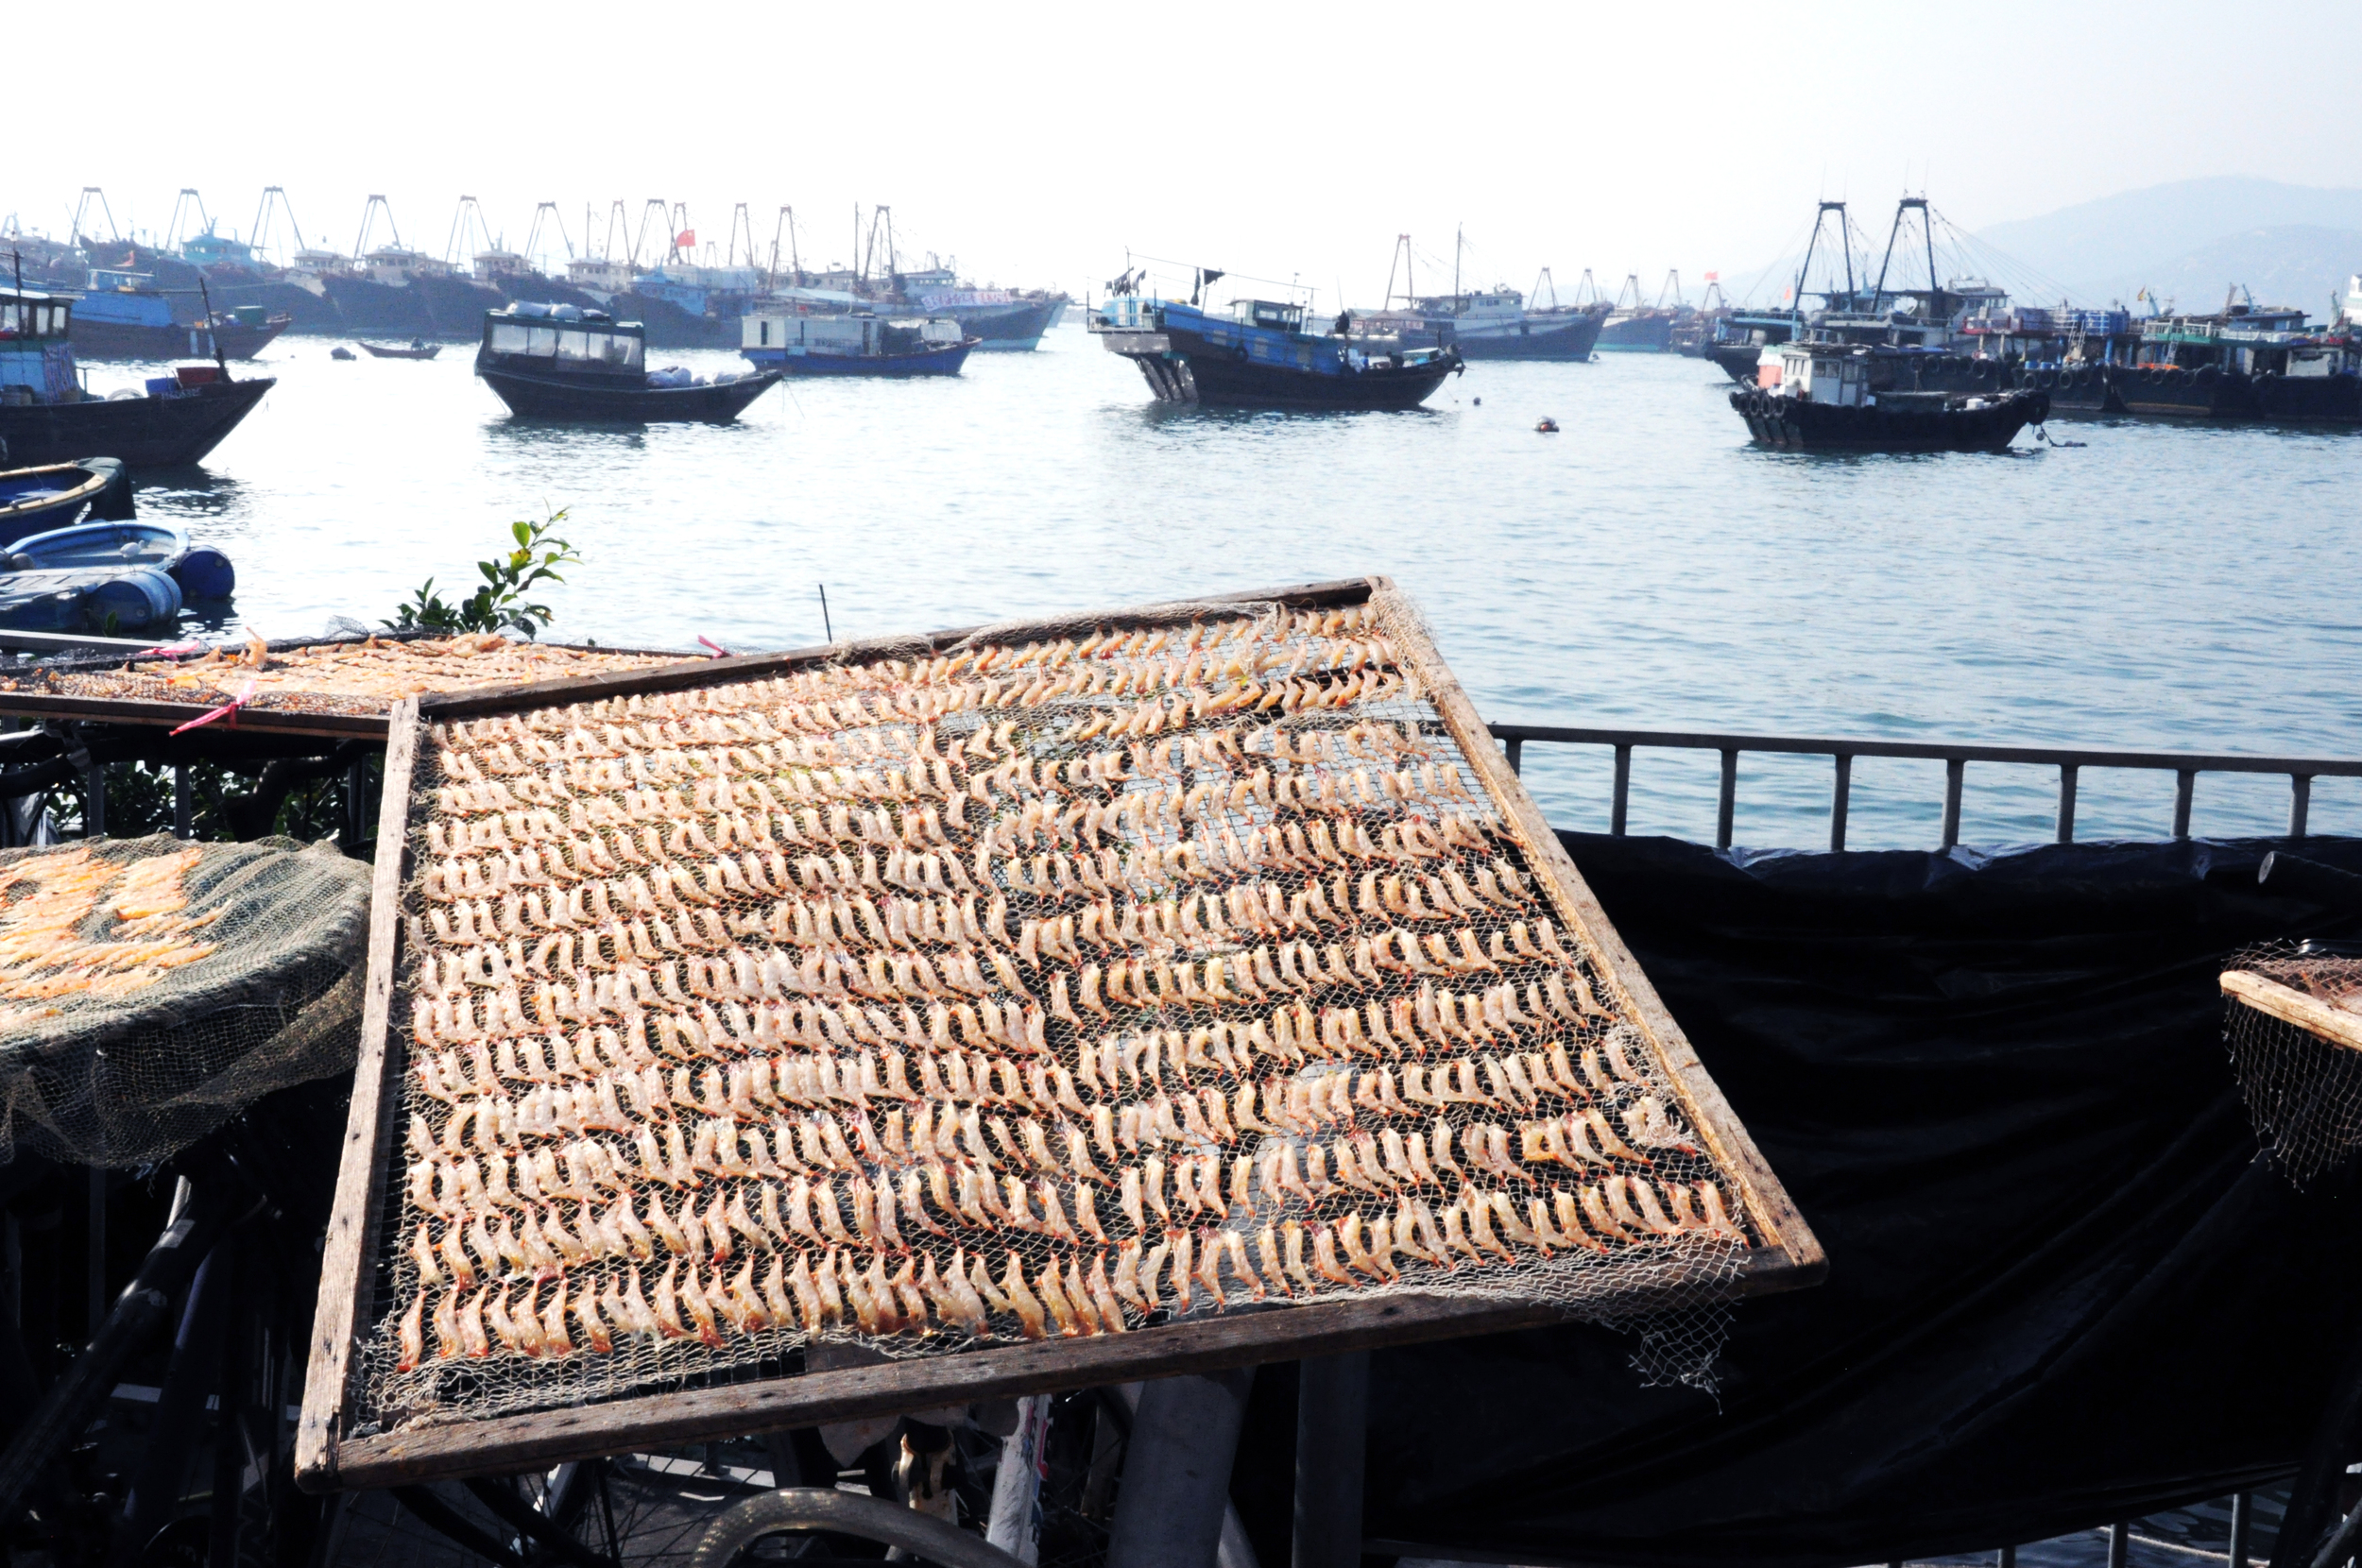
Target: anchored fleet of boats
(1957,363)
(1890,362)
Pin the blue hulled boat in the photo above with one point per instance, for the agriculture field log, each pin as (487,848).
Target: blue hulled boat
(792,337)
(125,317)
(1259,355)
(56,495)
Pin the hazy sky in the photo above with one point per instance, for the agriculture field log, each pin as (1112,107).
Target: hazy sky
(1037,142)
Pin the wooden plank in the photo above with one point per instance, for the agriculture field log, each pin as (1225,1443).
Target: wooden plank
(2291,1006)
(345,1259)
(1247,1337)
(131,710)
(676,677)
(53,643)
(1775,1216)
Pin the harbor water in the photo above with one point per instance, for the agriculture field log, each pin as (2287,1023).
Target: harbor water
(2160,585)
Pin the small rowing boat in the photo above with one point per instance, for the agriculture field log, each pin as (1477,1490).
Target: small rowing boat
(57,495)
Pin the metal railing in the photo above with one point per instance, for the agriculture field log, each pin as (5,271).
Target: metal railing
(2069,760)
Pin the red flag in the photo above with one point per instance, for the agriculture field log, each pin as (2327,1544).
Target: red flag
(686,238)
(1713,277)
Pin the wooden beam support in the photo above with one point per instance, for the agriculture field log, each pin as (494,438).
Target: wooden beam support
(2291,1006)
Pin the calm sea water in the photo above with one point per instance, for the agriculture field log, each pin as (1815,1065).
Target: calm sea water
(2159,587)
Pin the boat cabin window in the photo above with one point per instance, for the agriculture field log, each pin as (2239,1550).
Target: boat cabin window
(1268,312)
(570,345)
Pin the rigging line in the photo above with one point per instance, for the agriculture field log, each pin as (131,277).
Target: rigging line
(1227,272)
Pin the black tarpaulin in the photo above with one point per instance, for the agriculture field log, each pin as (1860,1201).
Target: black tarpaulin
(2062,1287)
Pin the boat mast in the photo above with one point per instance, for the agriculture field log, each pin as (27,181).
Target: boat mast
(1457,242)
(262,217)
(369,213)
(1796,303)
(1402,254)
(1896,233)
(81,209)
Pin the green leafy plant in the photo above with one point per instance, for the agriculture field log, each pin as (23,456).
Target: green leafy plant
(500,603)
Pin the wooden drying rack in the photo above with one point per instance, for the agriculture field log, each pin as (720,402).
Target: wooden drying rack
(330,1457)
(149,711)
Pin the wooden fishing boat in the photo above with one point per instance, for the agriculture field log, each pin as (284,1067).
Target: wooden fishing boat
(46,417)
(1823,400)
(124,315)
(794,339)
(564,362)
(56,495)
(1259,356)
(418,350)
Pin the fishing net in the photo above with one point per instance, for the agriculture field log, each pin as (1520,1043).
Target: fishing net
(150,988)
(2302,1084)
(361,675)
(1064,982)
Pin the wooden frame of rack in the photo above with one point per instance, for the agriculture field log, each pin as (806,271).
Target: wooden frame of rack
(328,1456)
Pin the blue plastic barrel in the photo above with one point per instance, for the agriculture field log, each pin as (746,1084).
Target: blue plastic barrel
(204,572)
(140,598)
(158,386)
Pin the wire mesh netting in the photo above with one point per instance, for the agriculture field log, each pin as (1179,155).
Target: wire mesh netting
(1065,983)
(2304,1091)
(359,675)
(149,988)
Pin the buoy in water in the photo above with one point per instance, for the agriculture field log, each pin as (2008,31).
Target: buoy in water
(1476,403)
(1548,426)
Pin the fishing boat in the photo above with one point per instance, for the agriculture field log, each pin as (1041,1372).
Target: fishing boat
(200,570)
(1001,320)
(56,495)
(2243,362)
(790,336)
(1636,327)
(418,349)
(1821,400)
(1482,324)
(124,315)
(1498,324)
(563,362)
(47,417)
(1259,355)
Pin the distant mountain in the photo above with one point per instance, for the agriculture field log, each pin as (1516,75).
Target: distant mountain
(2295,266)
(2189,241)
